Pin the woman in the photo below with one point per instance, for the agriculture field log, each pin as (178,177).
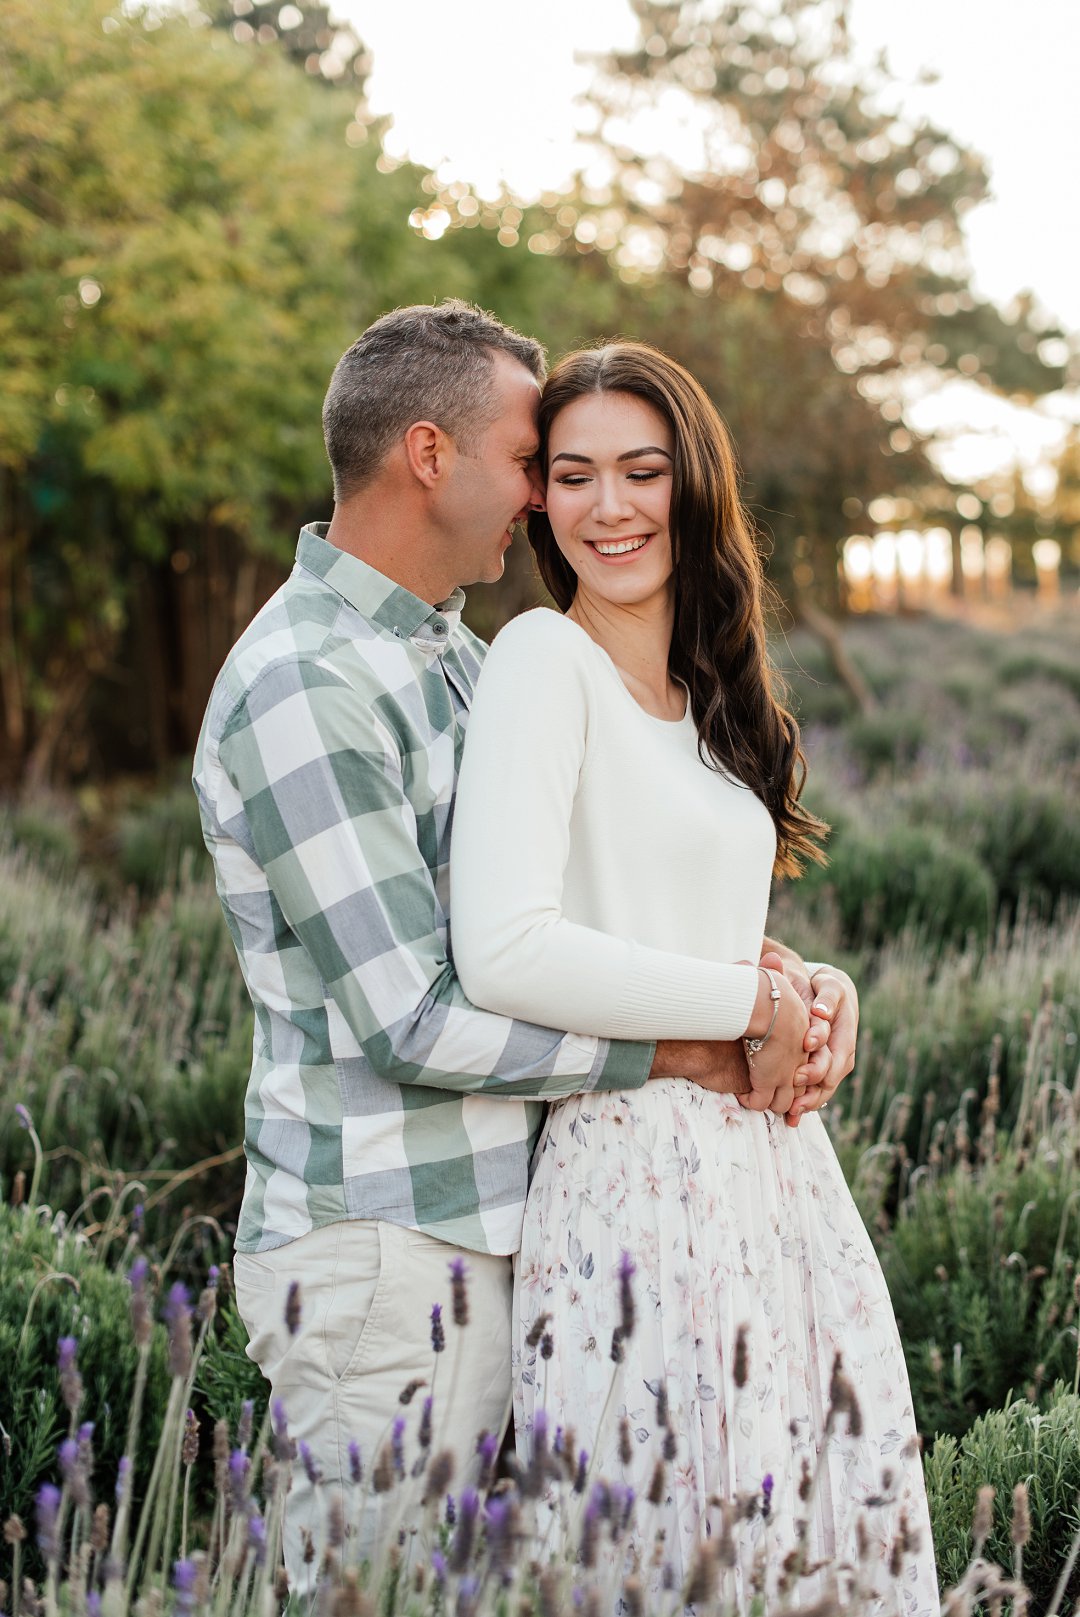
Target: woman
(629,787)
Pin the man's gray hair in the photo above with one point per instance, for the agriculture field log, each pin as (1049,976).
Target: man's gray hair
(423,363)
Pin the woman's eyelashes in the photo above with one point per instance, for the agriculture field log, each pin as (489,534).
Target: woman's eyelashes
(579,479)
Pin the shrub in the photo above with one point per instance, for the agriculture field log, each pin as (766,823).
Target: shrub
(126,1033)
(887,740)
(885,879)
(51,1286)
(1017,1444)
(154,836)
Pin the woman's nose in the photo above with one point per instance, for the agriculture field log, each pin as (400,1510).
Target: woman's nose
(611,503)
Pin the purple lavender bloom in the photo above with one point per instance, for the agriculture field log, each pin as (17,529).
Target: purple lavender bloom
(245,1423)
(284,1448)
(138,1213)
(438,1566)
(176,1304)
(122,1473)
(185,1577)
(451,1510)
(459,1295)
(397,1445)
(488,1450)
(582,1472)
(47,1508)
(67,1349)
(356,1470)
(93,1604)
(23,1114)
(239,1468)
(423,1436)
(438,1334)
(67,1454)
(307,1460)
(138,1273)
(257,1537)
(86,1432)
(766,1494)
(213,1277)
(465,1535)
(626,1296)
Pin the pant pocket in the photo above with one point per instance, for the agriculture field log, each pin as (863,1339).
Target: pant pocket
(363,1277)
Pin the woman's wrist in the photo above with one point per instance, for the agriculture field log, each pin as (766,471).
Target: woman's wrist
(765,1012)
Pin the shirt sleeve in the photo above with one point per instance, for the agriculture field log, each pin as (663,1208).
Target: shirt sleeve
(323,808)
(514,948)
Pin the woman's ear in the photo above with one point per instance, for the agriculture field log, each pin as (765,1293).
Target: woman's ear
(537,501)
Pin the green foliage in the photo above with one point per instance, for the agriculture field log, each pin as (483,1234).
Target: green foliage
(1017,1444)
(52,1284)
(128,1035)
(980,1269)
(227,1378)
(882,880)
(154,837)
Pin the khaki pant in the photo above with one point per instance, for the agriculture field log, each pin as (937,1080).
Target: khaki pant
(366,1292)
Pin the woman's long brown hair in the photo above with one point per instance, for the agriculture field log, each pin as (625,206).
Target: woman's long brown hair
(718,646)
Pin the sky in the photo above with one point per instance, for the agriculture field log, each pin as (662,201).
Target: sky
(485,89)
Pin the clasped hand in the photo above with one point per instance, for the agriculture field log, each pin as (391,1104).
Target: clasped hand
(812,1045)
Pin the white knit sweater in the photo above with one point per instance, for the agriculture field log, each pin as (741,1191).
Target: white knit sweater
(603,879)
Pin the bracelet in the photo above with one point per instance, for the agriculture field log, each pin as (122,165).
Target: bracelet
(752,1046)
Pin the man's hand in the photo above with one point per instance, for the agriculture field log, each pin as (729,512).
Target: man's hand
(719,1067)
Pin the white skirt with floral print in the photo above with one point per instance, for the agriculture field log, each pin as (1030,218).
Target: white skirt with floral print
(737,1227)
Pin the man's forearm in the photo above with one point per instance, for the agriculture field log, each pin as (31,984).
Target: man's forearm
(720,1067)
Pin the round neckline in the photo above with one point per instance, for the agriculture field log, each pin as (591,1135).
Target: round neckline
(654,718)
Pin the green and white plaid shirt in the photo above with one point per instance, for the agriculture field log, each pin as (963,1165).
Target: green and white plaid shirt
(325,772)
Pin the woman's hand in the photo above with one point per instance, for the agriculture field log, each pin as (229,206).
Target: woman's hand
(835,1007)
(773,1069)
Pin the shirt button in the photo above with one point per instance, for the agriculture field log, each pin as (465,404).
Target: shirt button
(440,628)
(397,631)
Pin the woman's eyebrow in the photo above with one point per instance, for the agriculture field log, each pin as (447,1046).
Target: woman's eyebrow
(631,454)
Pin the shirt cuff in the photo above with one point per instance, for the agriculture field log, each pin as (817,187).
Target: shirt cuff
(624,1064)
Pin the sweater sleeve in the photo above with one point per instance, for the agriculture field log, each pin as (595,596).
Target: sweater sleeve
(514,950)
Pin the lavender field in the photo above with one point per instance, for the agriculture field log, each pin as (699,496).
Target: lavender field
(140,1468)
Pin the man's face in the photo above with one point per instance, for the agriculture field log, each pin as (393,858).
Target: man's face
(491,489)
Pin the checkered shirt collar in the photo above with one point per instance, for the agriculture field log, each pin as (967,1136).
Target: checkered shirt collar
(374,595)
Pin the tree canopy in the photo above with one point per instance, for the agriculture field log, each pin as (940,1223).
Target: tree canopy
(196,217)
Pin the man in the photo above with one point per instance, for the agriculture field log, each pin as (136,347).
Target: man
(389,1122)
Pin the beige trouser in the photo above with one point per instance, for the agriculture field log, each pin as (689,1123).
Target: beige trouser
(366,1293)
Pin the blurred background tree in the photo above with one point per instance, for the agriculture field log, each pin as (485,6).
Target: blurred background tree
(197,216)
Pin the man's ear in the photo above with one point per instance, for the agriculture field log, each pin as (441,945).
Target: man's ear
(429,453)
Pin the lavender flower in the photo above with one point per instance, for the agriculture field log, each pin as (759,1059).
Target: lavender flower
(93,1604)
(438,1334)
(47,1510)
(177,1316)
(23,1114)
(123,1473)
(256,1537)
(581,1473)
(590,1532)
(292,1307)
(536,1330)
(547,1345)
(245,1424)
(766,1494)
(450,1513)
(626,1297)
(71,1384)
(488,1449)
(423,1435)
(438,1566)
(356,1470)
(284,1447)
(185,1577)
(458,1292)
(142,1325)
(409,1391)
(465,1537)
(239,1471)
(307,1460)
(396,1444)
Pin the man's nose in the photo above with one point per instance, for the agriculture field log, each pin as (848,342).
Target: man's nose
(536,500)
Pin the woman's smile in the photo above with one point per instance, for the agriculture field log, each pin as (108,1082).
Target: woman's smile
(619,550)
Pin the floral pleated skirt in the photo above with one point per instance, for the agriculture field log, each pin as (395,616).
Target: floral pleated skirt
(758,1305)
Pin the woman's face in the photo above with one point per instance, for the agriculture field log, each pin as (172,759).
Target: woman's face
(608,495)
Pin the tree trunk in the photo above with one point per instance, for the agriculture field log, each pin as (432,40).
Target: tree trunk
(828,632)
